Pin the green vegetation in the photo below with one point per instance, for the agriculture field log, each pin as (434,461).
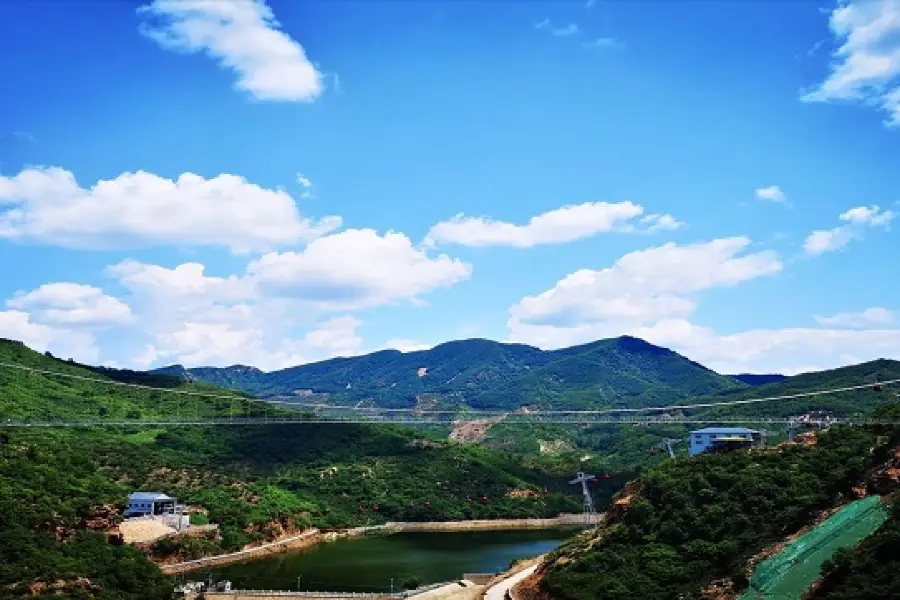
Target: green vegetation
(700,519)
(695,520)
(60,489)
(488,375)
(861,402)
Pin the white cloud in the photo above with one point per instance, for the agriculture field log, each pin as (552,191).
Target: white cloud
(240,341)
(654,223)
(866,65)
(244,37)
(356,268)
(304,182)
(182,314)
(178,285)
(651,284)
(72,304)
(857,221)
(602,43)
(564,31)
(406,345)
(146,358)
(871,317)
(872,216)
(142,209)
(772,193)
(788,351)
(557,226)
(63,343)
(652,294)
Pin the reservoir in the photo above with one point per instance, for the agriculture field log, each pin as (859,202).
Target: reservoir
(368,564)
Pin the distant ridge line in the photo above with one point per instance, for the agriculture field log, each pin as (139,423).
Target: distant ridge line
(472,412)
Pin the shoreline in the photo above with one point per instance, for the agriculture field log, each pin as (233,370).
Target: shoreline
(311,537)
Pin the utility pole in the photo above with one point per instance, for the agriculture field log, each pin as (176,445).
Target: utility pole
(668,443)
(583,478)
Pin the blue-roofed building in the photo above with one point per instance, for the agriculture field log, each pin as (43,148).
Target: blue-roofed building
(703,440)
(149,503)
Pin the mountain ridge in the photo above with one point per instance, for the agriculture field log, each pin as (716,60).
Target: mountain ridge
(480,373)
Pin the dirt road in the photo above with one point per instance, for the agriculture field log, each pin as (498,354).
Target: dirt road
(498,592)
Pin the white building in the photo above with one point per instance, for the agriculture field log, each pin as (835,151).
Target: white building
(150,503)
(702,440)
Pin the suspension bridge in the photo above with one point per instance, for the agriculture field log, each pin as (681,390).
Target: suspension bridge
(160,406)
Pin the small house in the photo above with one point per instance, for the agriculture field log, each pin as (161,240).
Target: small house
(721,438)
(149,503)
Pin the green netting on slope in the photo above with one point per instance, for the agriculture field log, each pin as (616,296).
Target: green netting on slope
(790,572)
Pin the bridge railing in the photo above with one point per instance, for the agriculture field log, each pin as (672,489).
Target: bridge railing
(320,594)
(511,419)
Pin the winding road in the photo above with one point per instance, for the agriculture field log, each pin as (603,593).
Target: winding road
(498,592)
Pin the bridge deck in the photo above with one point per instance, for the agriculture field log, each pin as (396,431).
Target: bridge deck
(574,419)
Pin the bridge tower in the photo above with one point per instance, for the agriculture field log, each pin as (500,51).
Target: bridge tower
(667,444)
(583,479)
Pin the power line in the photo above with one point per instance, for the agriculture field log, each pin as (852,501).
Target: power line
(620,410)
(445,412)
(123,384)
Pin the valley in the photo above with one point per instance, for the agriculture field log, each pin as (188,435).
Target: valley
(262,482)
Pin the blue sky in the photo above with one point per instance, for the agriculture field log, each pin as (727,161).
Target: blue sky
(274,183)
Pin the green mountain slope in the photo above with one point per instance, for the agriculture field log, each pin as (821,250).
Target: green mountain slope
(690,522)
(486,374)
(847,403)
(626,447)
(255,482)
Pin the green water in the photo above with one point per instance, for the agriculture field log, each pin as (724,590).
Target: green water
(369,563)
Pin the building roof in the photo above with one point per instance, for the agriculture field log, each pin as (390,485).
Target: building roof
(149,496)
(725,430)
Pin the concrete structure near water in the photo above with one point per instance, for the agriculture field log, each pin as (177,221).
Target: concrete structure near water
(721,438)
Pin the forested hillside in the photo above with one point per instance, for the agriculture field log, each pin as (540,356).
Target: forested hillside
(485,374)
(690,522)
(618,447)
(255,482)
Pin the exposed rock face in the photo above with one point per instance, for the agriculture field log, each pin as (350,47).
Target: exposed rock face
(472,431)
(885,479)
(103,517)
(59,587)
(521,494)
(275,530)
(620,505)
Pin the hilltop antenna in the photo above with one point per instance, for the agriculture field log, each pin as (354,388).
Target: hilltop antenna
(583,479)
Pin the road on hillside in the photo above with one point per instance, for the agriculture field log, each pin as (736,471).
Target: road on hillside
(498,592)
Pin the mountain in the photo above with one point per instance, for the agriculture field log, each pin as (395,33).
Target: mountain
(752,379)
(692,527)
(61,489)
(838,402)
(486,374)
